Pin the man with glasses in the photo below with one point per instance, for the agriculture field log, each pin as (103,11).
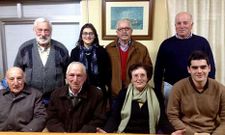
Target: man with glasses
(124,52)
(43,59)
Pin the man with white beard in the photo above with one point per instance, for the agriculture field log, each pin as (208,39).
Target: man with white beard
(43,59)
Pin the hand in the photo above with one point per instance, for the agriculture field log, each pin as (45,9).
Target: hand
(179,132)
(99,130)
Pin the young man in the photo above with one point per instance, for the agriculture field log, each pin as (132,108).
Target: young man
(197,103)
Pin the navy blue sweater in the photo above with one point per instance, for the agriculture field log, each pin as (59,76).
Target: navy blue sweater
(172,59)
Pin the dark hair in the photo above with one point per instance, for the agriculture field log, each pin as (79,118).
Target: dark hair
(147,69)
(88,25)
(198,55)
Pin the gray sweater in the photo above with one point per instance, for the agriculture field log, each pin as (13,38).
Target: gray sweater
(44,78)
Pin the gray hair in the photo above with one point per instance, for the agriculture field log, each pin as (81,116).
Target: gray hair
(41,19)
(124,20)
(72,64)
(182,13)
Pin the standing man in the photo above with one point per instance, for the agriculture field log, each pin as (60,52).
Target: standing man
(197,103)
(21,106)
(43,59)
(77,107)
(124,52)
(171,61)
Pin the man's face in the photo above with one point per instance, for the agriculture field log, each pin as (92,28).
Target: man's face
(124,31)
(199,71)
(139,78)
(15,80)
(43,33)
(76,78)
(183,25)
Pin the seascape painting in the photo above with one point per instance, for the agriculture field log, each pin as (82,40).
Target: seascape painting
(135,14)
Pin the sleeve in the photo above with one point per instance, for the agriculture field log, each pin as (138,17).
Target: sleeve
(98,118)
(147,60)
(208,50)
(37,124)
(158,77)
(53,123)
(107,73)
(173,111)
(74,55)
(65,61)
(19,59)
(221,128)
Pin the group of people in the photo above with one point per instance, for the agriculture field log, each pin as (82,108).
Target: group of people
(102,90)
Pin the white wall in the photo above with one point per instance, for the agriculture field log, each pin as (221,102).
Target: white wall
(16,22)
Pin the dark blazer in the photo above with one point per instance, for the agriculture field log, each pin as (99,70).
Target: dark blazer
(85,116)
(104,66)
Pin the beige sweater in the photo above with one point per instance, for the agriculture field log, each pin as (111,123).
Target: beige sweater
(197,112)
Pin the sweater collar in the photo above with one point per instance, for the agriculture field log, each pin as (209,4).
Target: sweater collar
(193,85)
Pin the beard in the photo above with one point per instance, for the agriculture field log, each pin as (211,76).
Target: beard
(43,40)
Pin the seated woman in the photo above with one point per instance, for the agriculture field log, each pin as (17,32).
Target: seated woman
(137,109)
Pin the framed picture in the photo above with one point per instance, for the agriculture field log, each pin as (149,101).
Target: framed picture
(140,12)
(35,1)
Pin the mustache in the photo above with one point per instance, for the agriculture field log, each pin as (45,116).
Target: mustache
(125,34)
(43,37)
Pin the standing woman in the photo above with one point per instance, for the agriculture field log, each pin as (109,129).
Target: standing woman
(94,57)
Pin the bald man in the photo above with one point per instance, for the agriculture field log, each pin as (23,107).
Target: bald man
(77,107)
(172,57)
(22,108)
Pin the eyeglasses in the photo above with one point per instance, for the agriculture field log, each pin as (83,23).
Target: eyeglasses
(124,29)
(91,34)
(39,30)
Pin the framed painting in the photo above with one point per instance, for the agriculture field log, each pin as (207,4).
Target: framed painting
(140,12)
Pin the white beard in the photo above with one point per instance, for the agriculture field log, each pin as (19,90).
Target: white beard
(42,40)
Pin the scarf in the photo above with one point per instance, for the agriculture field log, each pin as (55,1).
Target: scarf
(152,102)
(83,59)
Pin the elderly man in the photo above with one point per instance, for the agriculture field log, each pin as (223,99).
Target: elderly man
(124,52)
(171,61)
(77,107)
(197,103)
(43,59)
(21,106)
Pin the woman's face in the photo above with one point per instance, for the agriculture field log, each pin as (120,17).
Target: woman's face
(88,37)
(139,78)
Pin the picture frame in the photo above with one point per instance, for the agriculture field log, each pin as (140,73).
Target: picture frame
(140,12)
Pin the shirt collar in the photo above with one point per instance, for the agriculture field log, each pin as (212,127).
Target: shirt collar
(71,93)
(124,47)
(204,88)
(189,36)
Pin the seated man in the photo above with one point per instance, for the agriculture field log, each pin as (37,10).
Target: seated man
(197,103)
(21,106)
(77,107)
